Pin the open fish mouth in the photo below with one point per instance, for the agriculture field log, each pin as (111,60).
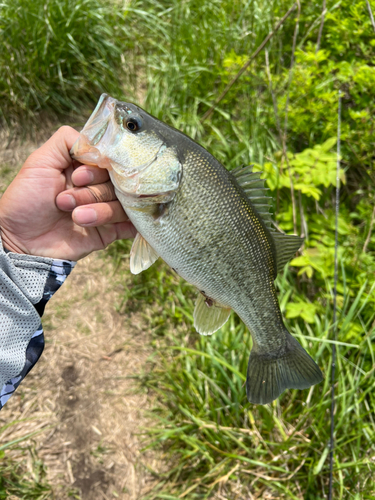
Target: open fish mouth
(85,148)
(104,133)
(120,138)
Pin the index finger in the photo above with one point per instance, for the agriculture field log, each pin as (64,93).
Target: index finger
(89,174)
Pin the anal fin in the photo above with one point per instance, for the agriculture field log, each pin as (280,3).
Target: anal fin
(142,255)
(209,316)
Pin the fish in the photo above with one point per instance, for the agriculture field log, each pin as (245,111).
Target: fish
(212,226)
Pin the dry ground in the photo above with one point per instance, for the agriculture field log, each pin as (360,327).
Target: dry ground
(82,395)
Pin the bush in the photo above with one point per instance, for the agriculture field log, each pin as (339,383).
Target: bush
(206,424)
(176,58)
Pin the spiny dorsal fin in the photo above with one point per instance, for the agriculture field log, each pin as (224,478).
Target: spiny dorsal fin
(286,246)
(253,185)
(254,188)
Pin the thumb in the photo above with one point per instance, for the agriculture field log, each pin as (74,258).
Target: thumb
(55,152)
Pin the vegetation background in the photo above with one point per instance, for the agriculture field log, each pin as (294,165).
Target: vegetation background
(174,58)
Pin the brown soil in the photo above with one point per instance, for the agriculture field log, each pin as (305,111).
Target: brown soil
(83,393)
(82,398)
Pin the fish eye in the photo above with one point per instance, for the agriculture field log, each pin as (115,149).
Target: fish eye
(133,123)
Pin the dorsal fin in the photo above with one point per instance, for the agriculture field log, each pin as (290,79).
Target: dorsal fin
(286,245)
(254,188)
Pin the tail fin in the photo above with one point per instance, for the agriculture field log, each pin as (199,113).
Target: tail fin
(268,375)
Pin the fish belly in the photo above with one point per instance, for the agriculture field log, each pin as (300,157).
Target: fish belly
(210,256)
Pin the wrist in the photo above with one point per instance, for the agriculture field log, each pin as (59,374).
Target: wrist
(9,244)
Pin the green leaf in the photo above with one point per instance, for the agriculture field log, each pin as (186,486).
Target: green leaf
(301,309)
(328,144)
(318,467)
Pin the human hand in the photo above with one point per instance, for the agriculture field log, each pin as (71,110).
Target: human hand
(43,214)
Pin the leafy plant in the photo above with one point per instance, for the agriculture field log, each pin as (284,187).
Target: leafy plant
(175,58)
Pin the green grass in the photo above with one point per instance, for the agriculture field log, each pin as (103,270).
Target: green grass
(215,440)
(17,481)
(59,56)
(25,478)
(184,68)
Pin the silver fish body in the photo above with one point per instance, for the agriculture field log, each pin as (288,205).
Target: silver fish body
(206,224)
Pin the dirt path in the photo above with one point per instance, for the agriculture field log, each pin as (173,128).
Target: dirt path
(81,397)
(82,392)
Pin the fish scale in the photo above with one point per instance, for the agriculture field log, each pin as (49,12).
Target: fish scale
(197,239)
(207,227)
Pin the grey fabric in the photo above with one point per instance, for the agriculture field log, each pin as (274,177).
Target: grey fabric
(59,270)
(22,281)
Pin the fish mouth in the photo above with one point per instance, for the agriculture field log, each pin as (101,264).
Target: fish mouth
(102,131)
(106,142)
(86,149)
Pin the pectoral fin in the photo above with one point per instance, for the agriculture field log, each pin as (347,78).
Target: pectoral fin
(142,255)
(209,316)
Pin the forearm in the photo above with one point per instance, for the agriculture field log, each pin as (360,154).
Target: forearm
(26,284)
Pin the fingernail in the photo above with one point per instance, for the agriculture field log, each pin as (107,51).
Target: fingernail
(67,201)
(82,176)
(90,176)
(85,216)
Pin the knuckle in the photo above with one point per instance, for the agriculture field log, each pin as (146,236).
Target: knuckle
(64,129)
(94,192)
(102,192)
(110,189)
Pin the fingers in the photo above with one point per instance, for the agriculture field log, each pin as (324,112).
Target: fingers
(71,198)
(93,205)
(86,174)
(99,214)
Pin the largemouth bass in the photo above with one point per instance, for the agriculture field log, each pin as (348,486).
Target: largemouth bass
(212,226)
